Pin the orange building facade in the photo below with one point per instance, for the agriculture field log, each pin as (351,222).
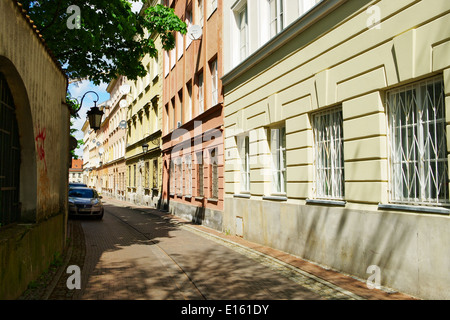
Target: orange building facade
(192,135)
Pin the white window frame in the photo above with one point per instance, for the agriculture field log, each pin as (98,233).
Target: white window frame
(418,143)
(306,5)
(276,16)
(244,165)
(243,32)
(329,154)
(278,151)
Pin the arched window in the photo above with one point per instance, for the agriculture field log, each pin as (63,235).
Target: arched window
(9,157)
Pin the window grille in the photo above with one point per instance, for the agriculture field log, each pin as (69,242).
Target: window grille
(9,157)
(329,155)
(418,143)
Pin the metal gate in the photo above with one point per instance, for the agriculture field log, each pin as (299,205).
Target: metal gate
(9,157)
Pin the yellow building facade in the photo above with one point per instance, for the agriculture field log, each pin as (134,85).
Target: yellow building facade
(143,138)
(336,135)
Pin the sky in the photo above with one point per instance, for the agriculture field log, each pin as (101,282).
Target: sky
(77,90)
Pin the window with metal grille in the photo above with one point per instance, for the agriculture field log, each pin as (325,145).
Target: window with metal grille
(329,155)
(9,157)
(418,143)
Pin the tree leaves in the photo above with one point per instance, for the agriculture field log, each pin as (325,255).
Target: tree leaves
(109,39)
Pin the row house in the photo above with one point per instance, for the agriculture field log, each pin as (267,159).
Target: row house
(114,154)
(192,146)
(144,122)
(336,134)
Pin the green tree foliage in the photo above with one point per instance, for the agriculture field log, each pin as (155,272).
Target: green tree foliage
(108,39)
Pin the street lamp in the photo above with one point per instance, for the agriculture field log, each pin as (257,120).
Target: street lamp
(95,114)
(145,147)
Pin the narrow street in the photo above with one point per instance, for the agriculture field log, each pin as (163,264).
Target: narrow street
(138,253)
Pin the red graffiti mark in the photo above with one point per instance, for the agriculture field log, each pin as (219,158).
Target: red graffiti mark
(40,140)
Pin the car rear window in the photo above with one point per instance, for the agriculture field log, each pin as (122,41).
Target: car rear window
(81,193)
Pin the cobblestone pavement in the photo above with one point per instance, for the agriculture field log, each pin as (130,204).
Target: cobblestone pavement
(140,253)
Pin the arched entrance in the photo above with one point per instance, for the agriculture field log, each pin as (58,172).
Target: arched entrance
(9,157)
(27,166)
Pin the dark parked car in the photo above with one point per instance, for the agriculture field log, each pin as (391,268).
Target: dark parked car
(75,184)
(85,202)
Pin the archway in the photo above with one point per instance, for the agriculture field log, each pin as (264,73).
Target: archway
(27,193)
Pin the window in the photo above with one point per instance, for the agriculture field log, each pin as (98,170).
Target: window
(212,7)
(244,154)
(278,151)
(329,155)
(188,24)
(188,177)
(201,100)
(179,176)
(276,9)
(172,177)
(147,175)
(172,57)
(189,111)
(418,144)
(180,45)
(167,118)
(306,5)
(214,83)
(181,109)
(155,67)
(200,13)
(129,176)
(155,173)
(243,33)
(166,63)
(134,175)
(214,177)
(200,174)
(174,118)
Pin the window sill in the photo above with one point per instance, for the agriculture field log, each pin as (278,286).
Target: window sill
(275,198)
(212,200)
(340,203)
(420,209)
(199,198)
(245,196)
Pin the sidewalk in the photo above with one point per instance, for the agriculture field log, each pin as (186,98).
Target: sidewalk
(329,278)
